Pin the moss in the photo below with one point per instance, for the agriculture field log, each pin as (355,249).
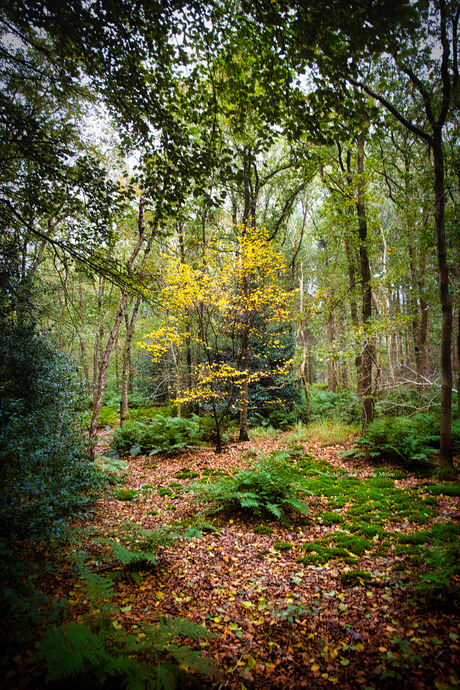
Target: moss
(383,482)
(185,473)
(422,537)
(320,553)
(355,577)
(445,490)
(430,501)
(331,519)
(284,545)
(164,491)
(366,529)
(126,494)
(352,542)
(338,502)
(176,486)
(263,530)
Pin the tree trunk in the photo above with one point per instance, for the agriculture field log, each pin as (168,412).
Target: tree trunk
(101,382)
(245,318)
(125,380)
(99,335)
(84,363)
(366,354)
(458,364)
(445,455)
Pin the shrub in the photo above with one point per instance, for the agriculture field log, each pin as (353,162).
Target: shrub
(341,406)
(399,439)
(272,486)
(44,472)
(164,435)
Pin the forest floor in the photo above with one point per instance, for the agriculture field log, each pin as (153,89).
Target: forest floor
(279,622)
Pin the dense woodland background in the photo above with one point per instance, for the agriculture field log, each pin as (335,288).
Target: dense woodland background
(240,215)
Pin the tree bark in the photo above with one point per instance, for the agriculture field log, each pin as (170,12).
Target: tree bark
(101,382)
(245,317)
(445,455)
(366,354)
(125,379)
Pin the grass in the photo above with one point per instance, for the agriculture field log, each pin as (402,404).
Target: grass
(322,431)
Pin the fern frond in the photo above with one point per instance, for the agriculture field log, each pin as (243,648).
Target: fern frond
(191,659)
(249,500)
(298,504)
(128,557)
(97,588)
(72,650)
(274,509)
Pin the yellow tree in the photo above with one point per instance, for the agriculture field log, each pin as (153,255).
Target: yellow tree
(213,303)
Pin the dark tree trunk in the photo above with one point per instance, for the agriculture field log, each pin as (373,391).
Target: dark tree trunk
(366,354)
(445,456)
(245,317)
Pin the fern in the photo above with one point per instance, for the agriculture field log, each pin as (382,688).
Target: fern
(73,650)
(273,484)
(127,557)
(92,652)
(98,589)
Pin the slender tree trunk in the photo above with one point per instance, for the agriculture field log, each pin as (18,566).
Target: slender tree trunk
(130,326)
(458,364)
(301,335)
(99,334)
(188,348)
(445,455)
(244,366)
(331,370)
(84,363)
(101,382)
(366,355)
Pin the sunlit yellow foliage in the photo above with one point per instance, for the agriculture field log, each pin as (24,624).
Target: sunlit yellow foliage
(229,281)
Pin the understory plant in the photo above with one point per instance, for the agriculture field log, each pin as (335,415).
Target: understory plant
(96,650)
(411,441)
(273,486)
(45,475)
(161,435)
(138,547)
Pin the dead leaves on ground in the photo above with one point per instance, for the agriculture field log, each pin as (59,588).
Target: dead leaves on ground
(278,623)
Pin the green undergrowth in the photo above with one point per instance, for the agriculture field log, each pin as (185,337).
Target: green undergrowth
(96,652)
(411,441)
(149,437)
(273,487)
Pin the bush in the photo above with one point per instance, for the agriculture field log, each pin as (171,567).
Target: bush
(342,406)
(44,472)
(273,486)
(402,439)
(163,435)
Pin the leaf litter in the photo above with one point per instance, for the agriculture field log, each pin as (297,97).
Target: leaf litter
(280,621)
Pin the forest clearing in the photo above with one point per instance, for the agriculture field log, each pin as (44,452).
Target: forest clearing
(229,344)
(285,608)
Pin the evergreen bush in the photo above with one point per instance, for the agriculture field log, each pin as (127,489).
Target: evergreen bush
(44,471)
